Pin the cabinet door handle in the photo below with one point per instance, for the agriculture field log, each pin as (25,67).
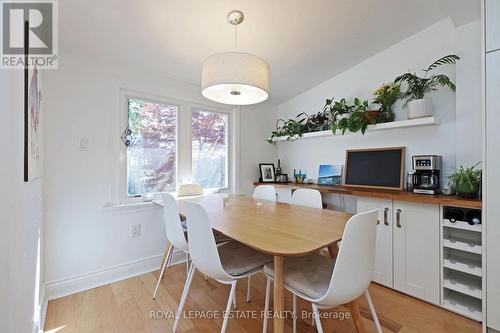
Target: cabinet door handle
(398,218)
(386,210)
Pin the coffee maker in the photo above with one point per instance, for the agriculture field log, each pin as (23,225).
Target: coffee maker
(427,174)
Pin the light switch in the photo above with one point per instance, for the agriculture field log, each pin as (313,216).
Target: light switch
(83,144)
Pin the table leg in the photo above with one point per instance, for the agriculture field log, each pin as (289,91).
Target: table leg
(279,302)
(356,317)
(333,249)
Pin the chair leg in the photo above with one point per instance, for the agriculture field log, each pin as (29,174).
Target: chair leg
(163,268)
(249,289)
(234,295)
(266,305)
(185,292)
(374,313)
(294,313)
(312,318)
(317,319)
(228,306)
(187,263)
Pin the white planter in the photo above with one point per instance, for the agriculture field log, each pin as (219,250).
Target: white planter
(420,108)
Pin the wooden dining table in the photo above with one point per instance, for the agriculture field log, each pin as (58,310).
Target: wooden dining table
(278,229)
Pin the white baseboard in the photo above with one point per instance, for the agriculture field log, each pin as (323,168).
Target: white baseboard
(76,284)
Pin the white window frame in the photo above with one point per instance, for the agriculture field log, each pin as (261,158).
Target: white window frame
(183,141)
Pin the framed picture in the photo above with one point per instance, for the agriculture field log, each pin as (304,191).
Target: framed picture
(330,174)
(282,178)
(267,173)
(32,116)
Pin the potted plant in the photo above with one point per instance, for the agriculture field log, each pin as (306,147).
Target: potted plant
(467,181)
(385,96)
(354,117)
(419,87)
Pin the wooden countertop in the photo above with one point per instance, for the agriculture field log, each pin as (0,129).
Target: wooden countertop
(385,194)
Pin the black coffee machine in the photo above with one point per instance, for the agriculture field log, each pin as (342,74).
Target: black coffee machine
(427,176)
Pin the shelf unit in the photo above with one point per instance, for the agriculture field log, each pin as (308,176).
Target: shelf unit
(462,271)
(427,121)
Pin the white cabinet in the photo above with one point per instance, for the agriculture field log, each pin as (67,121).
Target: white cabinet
(492,182)
(383,255)
(408,247)
(417,250)
(492,24)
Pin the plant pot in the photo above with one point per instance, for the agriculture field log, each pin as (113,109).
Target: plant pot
(372,116)
(465,190)
(419,108)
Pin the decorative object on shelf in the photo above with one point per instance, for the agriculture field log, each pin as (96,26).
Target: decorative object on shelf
(299,177)
(419,87)
(235,78)
(282,178)
(449,189)
(385,96)
(467,181)
(290,128)
(267,172)
(127,137)
(330,174)
(278,168)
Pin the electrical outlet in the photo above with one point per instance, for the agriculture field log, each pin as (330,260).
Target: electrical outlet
(135,230)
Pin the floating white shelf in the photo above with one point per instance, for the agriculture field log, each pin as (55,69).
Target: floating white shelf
(427,121)
(462,225)
(463,245)
(463,283)
(462,304)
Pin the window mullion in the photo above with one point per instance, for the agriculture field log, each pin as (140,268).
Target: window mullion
(184,147)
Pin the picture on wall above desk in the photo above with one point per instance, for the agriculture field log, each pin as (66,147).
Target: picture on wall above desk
(330,174)
(267,172)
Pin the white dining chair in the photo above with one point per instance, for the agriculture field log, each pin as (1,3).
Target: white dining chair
(307,197)
(175,234)
(177,237)
(327,283)
(265,192)
(226,263)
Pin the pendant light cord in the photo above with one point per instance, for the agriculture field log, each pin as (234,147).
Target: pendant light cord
(235,37)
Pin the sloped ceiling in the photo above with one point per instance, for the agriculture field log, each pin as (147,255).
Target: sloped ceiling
(305,42)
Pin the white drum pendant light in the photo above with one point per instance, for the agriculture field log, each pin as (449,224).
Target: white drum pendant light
(233,77)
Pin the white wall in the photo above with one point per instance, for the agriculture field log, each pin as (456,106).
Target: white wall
(85,240)
(21,213)
(458,137)
(256,122)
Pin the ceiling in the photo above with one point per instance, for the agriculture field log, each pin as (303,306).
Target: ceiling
(304,42)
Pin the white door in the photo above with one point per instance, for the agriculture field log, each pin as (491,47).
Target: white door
(492,184)
(383,255)
(492,19)
(416,250)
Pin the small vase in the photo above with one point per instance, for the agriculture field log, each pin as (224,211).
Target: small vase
(419,108)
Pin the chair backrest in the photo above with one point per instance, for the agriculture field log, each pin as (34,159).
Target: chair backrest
(202,247)
(307,197)
(189,189)
(265,192)
(355,261)
(173,226)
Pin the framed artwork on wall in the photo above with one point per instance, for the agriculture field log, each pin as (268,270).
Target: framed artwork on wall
(32,116)
(267,172)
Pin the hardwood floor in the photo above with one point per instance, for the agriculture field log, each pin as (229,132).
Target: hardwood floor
(126,306)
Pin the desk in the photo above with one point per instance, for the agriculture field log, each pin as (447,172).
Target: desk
(446,200)
(279,232)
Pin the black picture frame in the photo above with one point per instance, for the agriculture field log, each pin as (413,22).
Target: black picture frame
(282,178)
(26,101)
(267,172)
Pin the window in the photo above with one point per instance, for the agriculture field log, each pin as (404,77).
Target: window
(151,159)
(209,148)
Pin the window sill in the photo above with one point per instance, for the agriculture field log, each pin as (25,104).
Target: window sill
(128,207)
